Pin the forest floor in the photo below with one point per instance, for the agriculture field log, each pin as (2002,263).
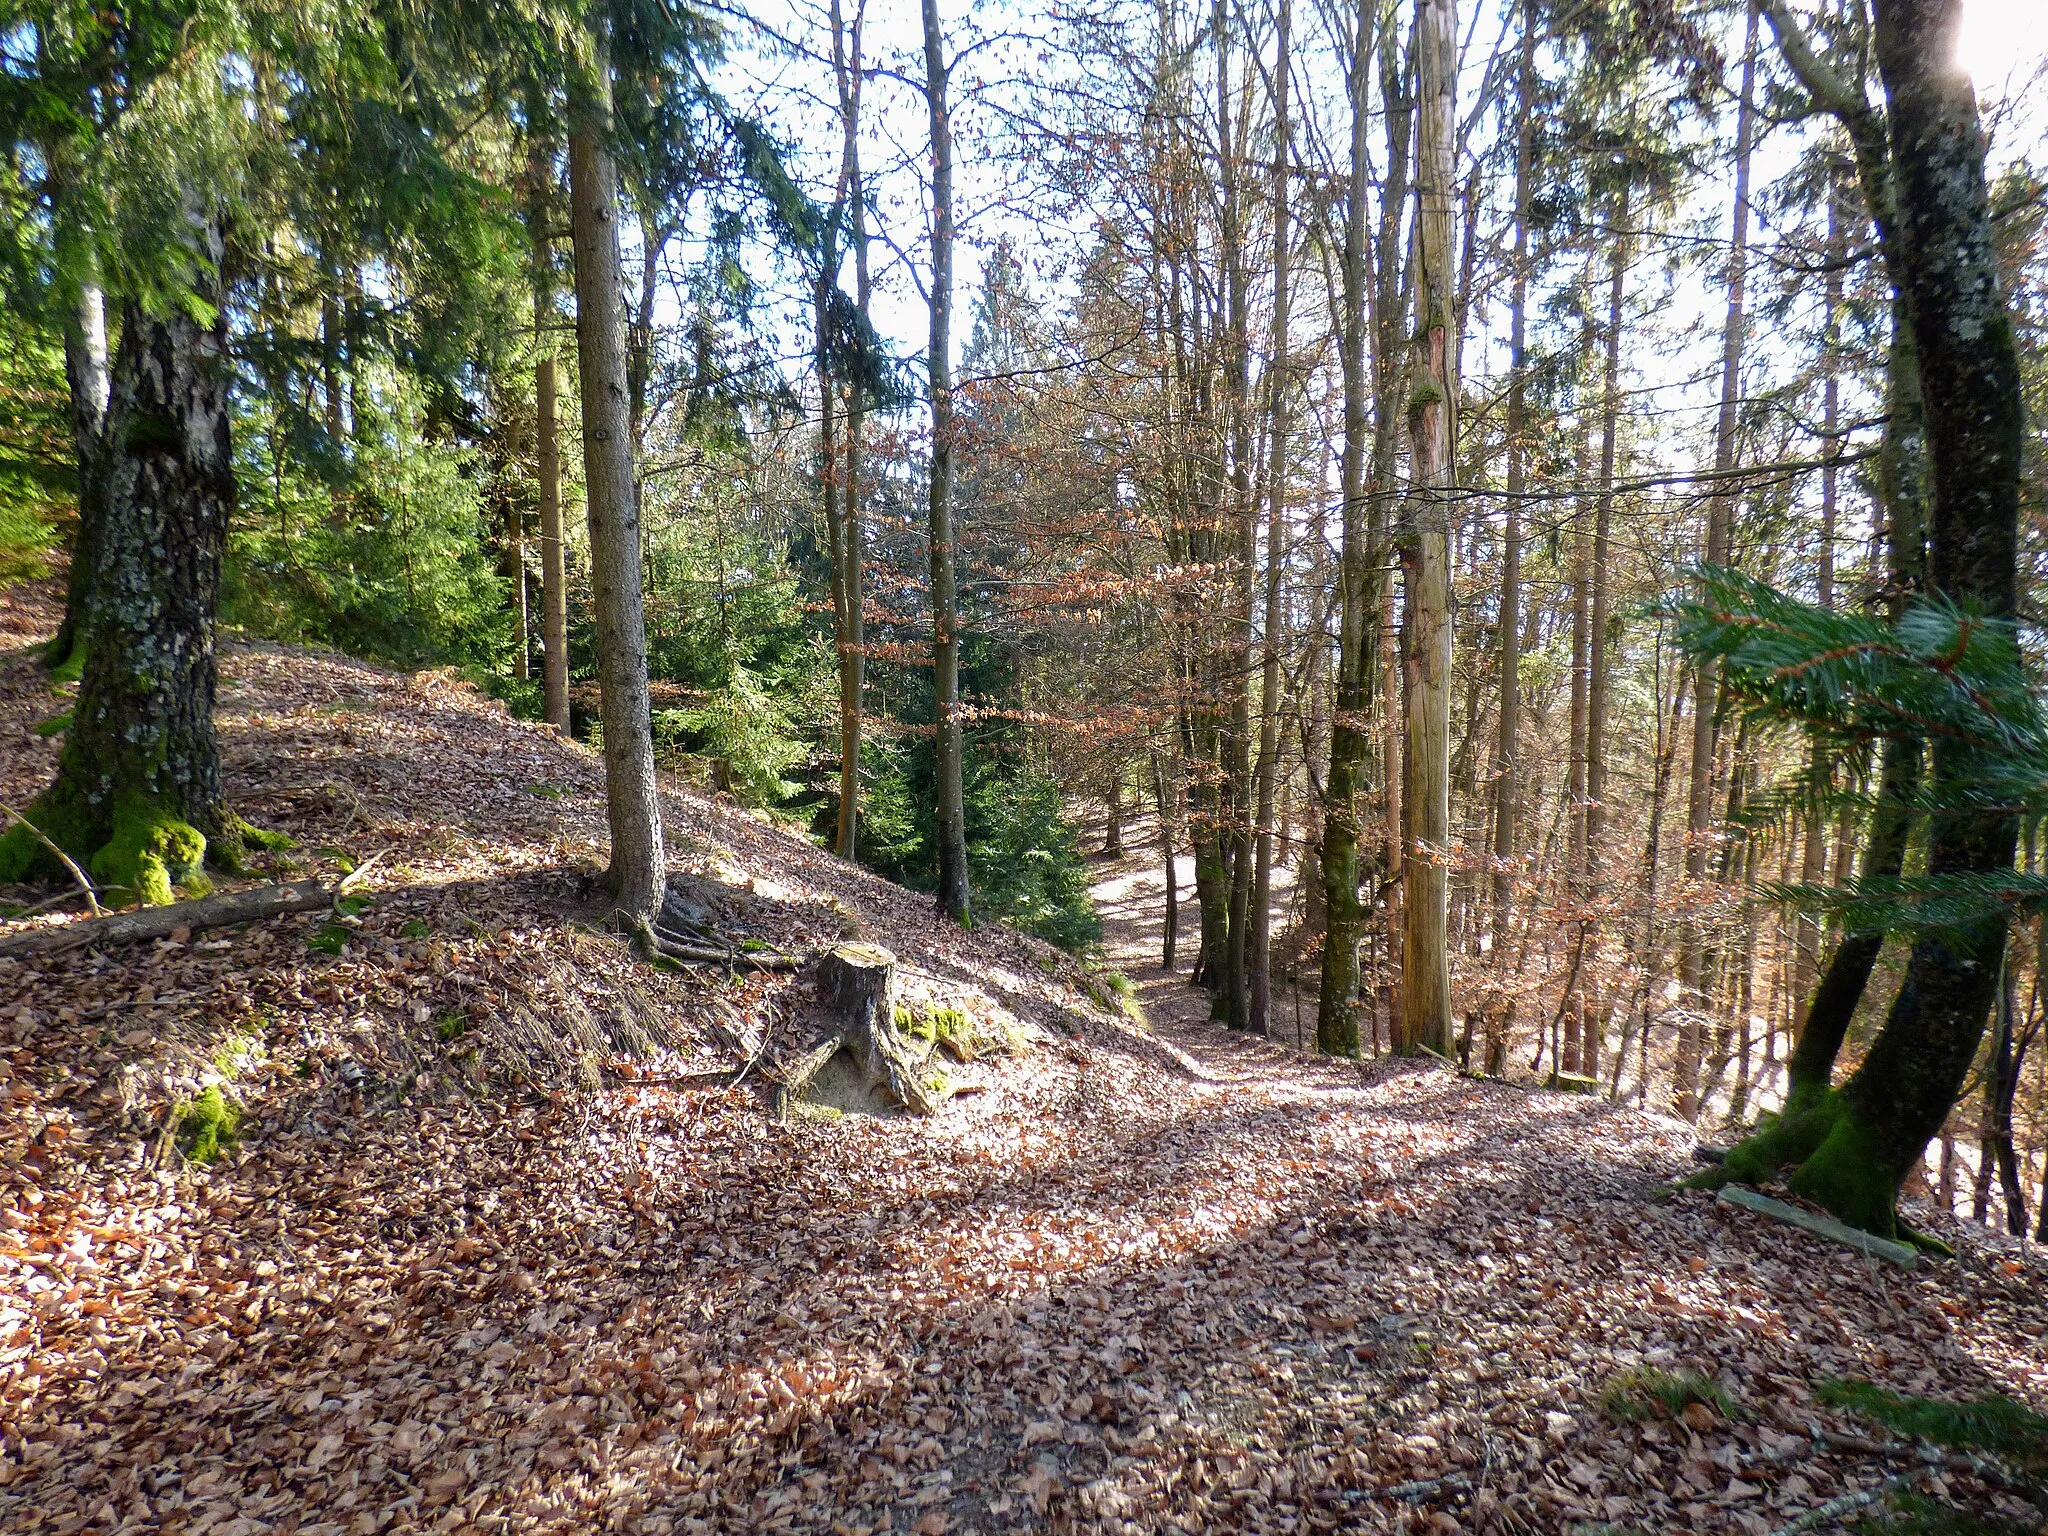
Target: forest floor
(488,1255)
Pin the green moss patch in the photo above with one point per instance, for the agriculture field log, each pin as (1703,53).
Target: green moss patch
(150,853)
(72,667)
(208,1125)
(56,725)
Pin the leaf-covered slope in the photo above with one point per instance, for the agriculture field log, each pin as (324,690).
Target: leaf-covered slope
(456,1274)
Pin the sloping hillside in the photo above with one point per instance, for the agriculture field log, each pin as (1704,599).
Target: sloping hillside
(487,1253)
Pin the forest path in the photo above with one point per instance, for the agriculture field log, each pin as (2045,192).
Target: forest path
(483,1259)
(1130,897)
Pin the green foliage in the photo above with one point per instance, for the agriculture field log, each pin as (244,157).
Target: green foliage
(1028,867)
(1849,679)
(332,939)
(56,725)
(208,1126)
(1996,1426)
(38,473)
(1915,1515)
(383,553)
(1644,1392)
(1026,860)
(752,729)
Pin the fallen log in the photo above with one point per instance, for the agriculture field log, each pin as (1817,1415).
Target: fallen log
(224,911)
(1834,1231)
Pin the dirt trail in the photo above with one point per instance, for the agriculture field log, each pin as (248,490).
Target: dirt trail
(1166,1280)
(1130,897)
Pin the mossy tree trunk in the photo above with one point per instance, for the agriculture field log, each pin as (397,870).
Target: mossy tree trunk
(137,797)
(1903,492)
(1855,1147)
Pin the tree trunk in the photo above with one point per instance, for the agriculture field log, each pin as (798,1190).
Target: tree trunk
(83,308)
(554,585)
(1350,725)
(85,375)
(1426,547)
(1598,686)
(137,797)
(850,585)
(1268,772)
(1505,787)
(1169,935)
(633,806)
(954,897)
(1720,515)
(1856,1147)
(1903,497)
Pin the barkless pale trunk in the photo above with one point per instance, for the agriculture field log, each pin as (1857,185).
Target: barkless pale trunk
(1425,1021)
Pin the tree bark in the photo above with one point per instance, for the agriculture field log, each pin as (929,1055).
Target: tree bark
(1426,548)
(1505,788)
(1350,723)
(633,807)
(1599,687)
(1268,769)
(954,897)
(1720,518)
(1855,1148)
(137,797)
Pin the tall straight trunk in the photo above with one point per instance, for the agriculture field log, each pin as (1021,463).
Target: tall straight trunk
(137,798)
(1389,295)
(1506,789)
(1720,517)
(953,894)
(547,438)
(1581,676)
(632,804)
(1859,1145)
(1259,941)
(1599,687)
(332,388)
(1235,340)
(1426,547)
(515,561)
(1163,798)
(851,583)
(554,576)
(1813,854)
(1350,727)
(85,375)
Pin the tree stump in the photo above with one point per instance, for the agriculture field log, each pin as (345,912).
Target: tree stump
(858,981)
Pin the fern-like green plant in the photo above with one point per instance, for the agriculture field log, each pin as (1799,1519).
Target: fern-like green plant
(1849,679)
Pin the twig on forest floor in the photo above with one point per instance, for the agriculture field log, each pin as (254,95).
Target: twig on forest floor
(1421,1488)
(1848,1503)
(92,899)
